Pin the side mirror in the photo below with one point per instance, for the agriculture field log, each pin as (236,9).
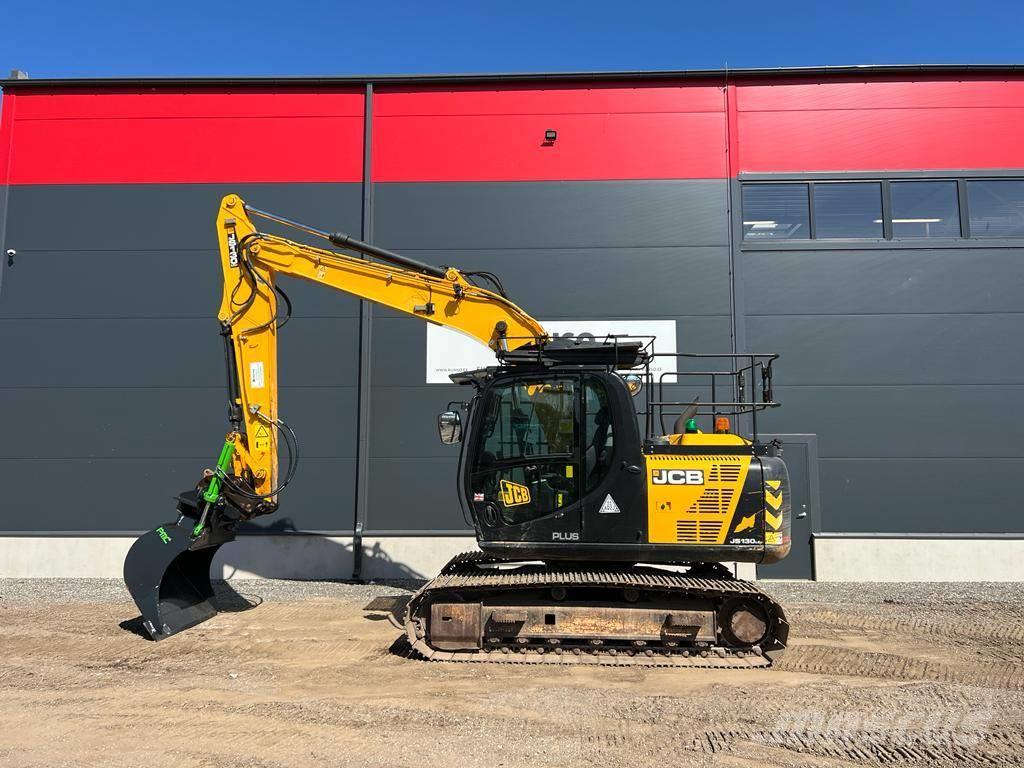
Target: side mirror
(449,427)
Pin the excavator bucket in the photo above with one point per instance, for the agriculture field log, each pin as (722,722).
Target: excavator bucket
(167,572)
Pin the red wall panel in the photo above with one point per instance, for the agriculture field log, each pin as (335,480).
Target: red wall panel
(603,133)
(488,133)
(146,137)
(880,94)
(930,125)
(520,99)
(6,125)
(201,102)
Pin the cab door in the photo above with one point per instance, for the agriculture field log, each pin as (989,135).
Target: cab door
(524,478)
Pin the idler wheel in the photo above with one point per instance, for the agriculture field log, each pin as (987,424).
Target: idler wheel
(744,622)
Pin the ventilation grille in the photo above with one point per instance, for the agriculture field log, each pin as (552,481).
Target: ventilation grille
(724,473)
(698,531)
(714,501)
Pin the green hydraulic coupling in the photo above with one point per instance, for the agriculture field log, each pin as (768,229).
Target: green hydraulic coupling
(212,492)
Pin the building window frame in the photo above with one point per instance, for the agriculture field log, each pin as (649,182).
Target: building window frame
(888,241)
(966,184)
(812,191)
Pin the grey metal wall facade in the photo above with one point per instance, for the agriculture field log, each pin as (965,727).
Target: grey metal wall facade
(112,380)
(905,361)
(901,360)
(567,250)
(112,383)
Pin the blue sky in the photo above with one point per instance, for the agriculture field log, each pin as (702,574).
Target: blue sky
(61,38)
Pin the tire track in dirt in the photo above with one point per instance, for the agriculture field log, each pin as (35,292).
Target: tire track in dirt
(849,662)
(1003,625)
(877,748)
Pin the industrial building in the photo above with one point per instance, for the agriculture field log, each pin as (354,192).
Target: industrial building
(867,223)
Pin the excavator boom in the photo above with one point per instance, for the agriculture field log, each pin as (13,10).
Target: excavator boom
(252,260)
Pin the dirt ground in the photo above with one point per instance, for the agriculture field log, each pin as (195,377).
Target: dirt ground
(875,675)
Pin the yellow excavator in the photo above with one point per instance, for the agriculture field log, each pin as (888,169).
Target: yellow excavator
(602,533)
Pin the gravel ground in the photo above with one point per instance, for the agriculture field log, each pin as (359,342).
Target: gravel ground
(876,674)
(867,593)
(113,590)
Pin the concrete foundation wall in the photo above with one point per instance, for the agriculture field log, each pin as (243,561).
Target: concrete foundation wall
(906,559)
(419,557)
(264,557)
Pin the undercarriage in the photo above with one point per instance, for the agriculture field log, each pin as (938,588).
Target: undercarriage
(480,608)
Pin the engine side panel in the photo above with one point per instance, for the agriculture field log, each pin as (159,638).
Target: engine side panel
(692,499)
(709,506)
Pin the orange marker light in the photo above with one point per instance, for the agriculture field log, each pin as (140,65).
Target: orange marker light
(721,425)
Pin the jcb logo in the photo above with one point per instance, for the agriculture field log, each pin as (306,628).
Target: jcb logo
(677,477)
(514,494)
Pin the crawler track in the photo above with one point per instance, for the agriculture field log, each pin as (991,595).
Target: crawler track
(501,589)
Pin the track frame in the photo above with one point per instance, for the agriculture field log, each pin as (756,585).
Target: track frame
(482,608)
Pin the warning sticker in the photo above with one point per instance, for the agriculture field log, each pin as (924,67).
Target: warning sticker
(261,440)
(256,375)
(609,507)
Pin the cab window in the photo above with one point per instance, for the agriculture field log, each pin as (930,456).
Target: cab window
(530,419)
(598,440)
(528,456)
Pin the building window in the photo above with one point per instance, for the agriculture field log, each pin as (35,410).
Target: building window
(883,210)
(776,212)
(848,210)
(996,207)
(925,209)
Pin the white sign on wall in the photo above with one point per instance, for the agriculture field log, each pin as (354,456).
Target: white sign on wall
(449,351)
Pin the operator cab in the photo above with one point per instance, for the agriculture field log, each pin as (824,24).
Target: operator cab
(549,435)
(553,465)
